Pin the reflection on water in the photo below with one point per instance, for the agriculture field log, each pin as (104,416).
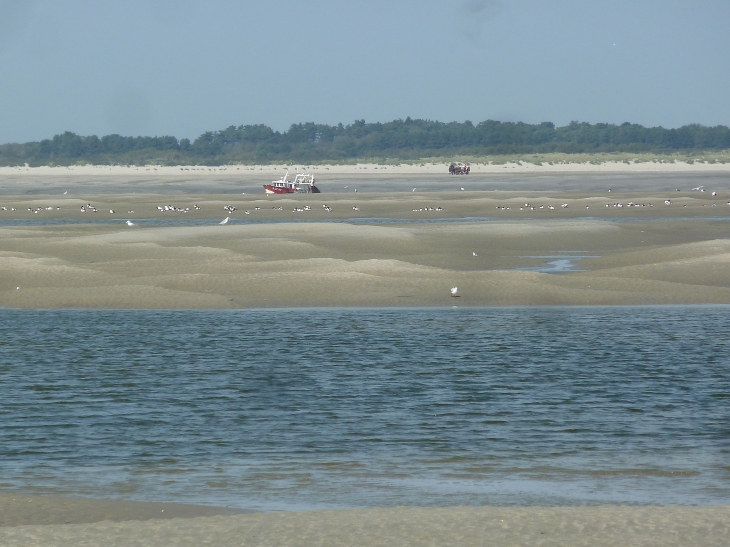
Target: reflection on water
(563,263)
(295,409)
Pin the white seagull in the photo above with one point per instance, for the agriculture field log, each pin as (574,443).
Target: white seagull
(130,223)
(453,291)
(225,220)
(473,253)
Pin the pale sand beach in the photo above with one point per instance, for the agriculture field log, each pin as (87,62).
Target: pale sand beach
(115,523)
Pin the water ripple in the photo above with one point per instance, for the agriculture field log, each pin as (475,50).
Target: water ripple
(290,409)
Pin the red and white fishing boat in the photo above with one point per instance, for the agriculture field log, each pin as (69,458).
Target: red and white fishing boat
(303,183)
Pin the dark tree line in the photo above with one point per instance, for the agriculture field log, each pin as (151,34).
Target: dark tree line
(401,139)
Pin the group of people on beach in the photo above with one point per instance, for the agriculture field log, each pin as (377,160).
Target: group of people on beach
(459,169)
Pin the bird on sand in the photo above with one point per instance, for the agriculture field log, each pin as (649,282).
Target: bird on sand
(130,223)
(225,220)
(473,253)
(453,291)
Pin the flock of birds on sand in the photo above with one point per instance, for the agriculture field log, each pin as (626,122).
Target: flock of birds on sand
(174,209)
(230,209)
(528,207)
(619,205)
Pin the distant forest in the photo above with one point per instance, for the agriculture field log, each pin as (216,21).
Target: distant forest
(400,139)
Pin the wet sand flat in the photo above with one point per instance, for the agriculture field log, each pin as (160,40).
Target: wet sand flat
(33,510)
(367,178)
(601,526)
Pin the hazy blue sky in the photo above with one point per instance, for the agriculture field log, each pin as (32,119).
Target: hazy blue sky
(182,67)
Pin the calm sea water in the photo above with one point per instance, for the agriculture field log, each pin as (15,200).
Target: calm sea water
(297,409)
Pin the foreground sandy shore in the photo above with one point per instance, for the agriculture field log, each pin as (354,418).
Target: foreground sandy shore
(602,526)
(630,255)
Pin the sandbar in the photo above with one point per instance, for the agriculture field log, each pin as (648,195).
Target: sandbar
(369,250)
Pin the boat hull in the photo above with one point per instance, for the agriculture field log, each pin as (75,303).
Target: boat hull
(278,189)
(285,190)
